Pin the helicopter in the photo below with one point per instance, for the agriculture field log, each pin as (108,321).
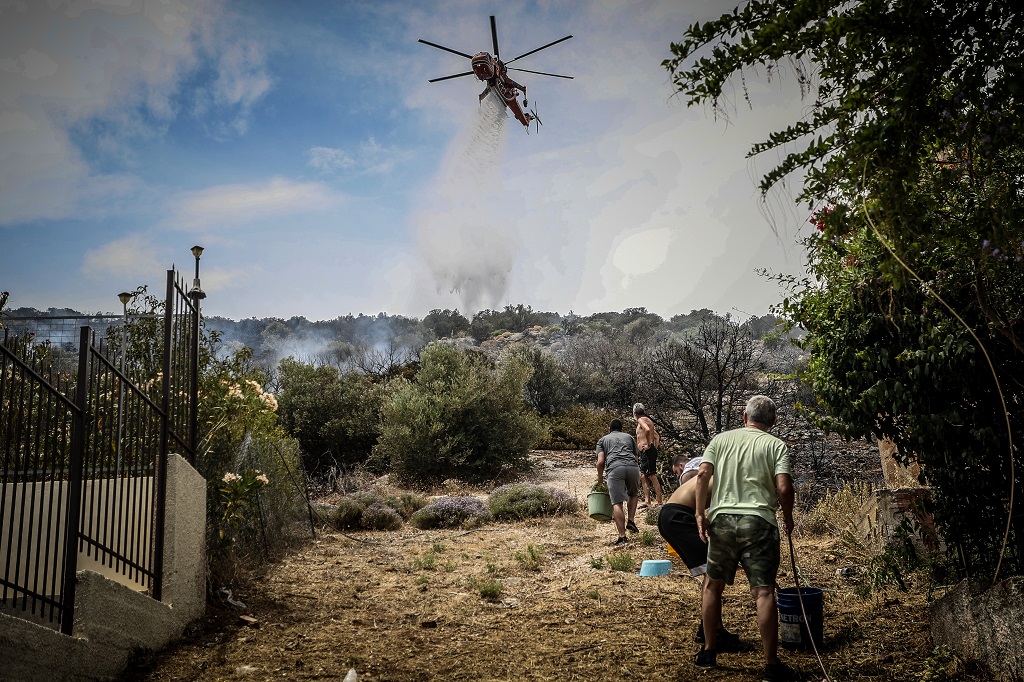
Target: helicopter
(494,72)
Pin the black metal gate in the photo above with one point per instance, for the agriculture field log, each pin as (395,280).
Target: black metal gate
(83,457)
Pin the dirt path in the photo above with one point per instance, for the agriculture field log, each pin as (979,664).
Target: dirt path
(406,606)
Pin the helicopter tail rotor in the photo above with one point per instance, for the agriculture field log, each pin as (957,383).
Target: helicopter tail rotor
(534,116)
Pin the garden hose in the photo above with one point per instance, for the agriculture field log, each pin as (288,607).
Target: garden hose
(800,598)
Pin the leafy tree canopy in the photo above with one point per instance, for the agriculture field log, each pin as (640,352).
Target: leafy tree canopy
(911,154)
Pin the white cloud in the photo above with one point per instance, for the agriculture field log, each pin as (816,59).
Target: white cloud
(371,158)
(132,258)
(63,66)
(326,159)
(237,204)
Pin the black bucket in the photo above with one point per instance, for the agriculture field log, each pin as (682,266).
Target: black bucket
(794,633)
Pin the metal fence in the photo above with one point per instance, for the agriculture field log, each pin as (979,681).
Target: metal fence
(83,452)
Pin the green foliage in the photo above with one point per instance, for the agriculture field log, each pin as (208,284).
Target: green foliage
(514,318)
(427,562)
(236,499)
(445,323)
(941,666)
(577,428)
(489,589)
(548,390)
(451,512)
(460,418)
(348,512)
(912,153)
(406,503)
(379,516)
(621,561)
(647,538)
(518,501)
(531,558)
(334,415)
(596,562)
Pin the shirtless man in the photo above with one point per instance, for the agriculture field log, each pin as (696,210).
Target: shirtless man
(678,525)
(647,442)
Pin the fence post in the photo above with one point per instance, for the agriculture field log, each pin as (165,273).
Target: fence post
(161,465)
(74,509)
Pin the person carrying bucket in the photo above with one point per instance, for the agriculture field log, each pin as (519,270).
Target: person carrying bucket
(616,451)
(752,479)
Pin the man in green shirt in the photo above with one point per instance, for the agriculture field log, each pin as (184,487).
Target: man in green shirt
(752,480)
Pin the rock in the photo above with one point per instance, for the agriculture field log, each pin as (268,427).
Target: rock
(984,625)
(351,676)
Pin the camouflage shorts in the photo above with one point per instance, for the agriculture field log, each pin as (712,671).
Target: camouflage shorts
(745,540)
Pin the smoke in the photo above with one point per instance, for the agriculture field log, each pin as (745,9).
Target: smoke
(464,233)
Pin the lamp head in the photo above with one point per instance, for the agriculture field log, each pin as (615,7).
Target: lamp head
(124,297)
(197,251)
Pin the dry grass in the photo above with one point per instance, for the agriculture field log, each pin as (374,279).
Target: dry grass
(409,605)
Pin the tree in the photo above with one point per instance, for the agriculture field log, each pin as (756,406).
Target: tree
(445,323)
(459,418)
(335,415)
(703,378)
(912,154)
(548,389)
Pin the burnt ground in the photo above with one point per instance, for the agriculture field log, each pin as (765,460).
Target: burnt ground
(407,605)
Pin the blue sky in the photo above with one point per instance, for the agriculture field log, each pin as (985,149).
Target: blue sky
(300,143)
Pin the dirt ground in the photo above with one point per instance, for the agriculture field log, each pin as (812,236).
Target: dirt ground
(406,606)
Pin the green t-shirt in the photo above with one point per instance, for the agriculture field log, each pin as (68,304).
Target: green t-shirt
(746,461)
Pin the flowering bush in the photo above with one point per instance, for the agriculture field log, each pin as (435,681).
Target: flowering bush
(236,494)
(451,512)
(528,500)
(379,516)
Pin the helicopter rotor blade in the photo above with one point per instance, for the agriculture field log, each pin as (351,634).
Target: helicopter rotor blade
(541,73)
(456,75)
(446,49)
(544,47)
(494,37)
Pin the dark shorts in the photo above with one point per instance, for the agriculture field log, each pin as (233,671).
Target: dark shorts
(649,461)
(678,526)
(623,483)
(746,540)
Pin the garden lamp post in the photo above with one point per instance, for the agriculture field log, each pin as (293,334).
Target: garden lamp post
(124,297)
(197,294)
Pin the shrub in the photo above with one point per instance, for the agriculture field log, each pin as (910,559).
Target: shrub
(647,538)
(577,428)
(348,513)
(460,418)
(427,562)
(621,561)
(335,415)
(835,511)
(518,501)
(378,516)
(489,589)
(531,558)
(406,503)
(450,512)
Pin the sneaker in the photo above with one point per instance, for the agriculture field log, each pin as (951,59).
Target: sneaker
(780,672)
(631,527)
(705,660)
(621,541)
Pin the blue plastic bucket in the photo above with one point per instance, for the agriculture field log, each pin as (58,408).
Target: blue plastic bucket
(794,633)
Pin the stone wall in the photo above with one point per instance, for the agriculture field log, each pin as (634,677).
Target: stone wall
(984,625)
(112,621)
